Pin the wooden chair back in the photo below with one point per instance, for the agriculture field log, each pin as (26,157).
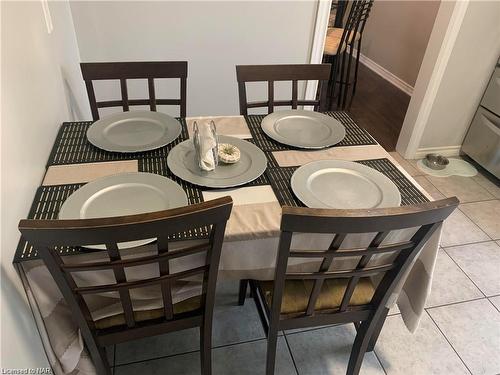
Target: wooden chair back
(135,70)
(47,235)
(426,217)
(273,73)
(349,43)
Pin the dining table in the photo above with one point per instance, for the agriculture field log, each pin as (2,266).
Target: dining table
(252,232)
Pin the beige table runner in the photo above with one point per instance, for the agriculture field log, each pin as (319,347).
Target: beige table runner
(80,173)
(234,126)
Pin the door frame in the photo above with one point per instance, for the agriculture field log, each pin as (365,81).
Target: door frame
(318,44)
(445,31)
(428,80)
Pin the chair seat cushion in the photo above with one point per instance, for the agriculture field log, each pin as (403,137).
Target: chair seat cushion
(333,38)
(297,292)
(190,304)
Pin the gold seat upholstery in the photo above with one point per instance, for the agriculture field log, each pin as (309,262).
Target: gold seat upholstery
(333,38)
(297,292)
(190,304)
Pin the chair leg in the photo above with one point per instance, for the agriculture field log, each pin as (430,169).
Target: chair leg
(359,348)
(342,81)
(376,331)
(272,342)
(242,295)
(355,83)
(348,77)
(99,358)
(206,348)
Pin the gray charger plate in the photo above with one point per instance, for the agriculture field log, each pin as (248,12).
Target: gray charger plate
(123,194)
(134,131)
(303,129)
(343,185)
(182,162)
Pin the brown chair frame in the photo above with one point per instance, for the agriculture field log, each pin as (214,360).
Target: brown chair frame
(45,235)
(341,64)
(135,70)
(272,73)
(368,318)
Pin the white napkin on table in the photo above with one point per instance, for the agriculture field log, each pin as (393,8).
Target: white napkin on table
(207,144)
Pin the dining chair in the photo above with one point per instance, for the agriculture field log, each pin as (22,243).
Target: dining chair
(122,71)
(131,324)
(297,299)
(337,11)
(342,45)
(275,73)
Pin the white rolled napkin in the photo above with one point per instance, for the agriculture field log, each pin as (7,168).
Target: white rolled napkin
(207,144)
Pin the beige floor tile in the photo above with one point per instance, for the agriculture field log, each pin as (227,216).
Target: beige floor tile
(394,310)
(488,185)
(473,329)
(450,284)
(413,163)
(408,167)
(242,359)
(458,229)
(464,188)
(327,351)
(481,262)
(495,301)
(486,215)
(424,352)
(429,187)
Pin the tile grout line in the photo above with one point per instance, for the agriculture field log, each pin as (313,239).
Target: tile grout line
(485,200)
(314,329)
(448,341)
(440,192)
(190,352)
(291,353)
(379,361)
(468,217)
(456,303)
(466,243)
(494,306)
(471,177)
(155,358)
(461,269)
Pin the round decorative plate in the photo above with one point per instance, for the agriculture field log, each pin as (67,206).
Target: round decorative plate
(343,185)
(303,129)
(123,194)
(182,162)
(134,131)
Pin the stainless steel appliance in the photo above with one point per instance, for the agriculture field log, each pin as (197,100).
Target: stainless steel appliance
(482,142)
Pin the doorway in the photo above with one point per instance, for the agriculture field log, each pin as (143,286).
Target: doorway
(392,46)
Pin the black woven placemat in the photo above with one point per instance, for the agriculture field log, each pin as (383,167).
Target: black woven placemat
(48,201)
(280,182)
(355,136)
(72,147)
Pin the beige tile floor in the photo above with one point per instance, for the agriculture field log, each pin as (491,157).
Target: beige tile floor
(459,333)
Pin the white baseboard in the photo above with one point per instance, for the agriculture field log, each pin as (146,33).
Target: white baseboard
(445,151)
(385,74)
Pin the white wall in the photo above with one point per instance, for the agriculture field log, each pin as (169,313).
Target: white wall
(462,51)
(468,71)
(41,87)
(396,35)
(212,36)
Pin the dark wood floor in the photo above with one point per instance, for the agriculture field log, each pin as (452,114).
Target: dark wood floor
(379,107)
